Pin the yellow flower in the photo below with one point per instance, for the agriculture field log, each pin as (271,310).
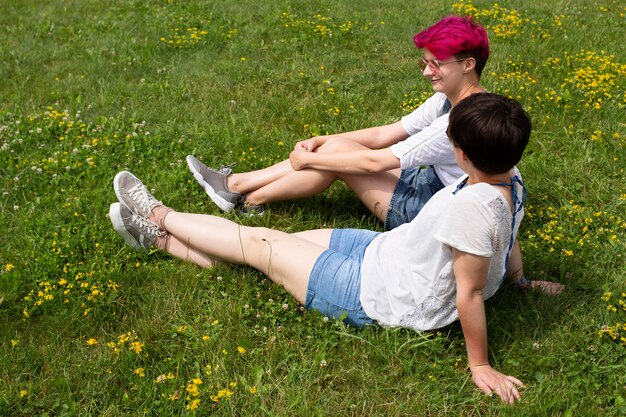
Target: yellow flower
(23,393)
(8,267)
(252,390)
(137,347)
(224,393)
(193,404)
(140,372)
(14,342)
(241,349)
(92,341)
(193,390)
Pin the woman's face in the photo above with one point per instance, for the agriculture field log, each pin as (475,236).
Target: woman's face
(445,75)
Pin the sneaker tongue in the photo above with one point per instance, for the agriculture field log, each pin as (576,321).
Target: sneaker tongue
(228,169)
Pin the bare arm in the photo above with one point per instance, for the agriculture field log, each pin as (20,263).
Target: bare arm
(354,162)
(374,137)
(471,274)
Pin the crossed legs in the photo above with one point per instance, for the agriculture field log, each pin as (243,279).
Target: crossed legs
(281,182)
(287,259)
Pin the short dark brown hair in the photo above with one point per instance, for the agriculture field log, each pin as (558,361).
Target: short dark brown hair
(492,130)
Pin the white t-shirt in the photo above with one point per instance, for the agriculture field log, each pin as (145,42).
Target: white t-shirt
(428,143)
(406,276)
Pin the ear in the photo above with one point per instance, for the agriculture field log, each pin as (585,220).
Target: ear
(463,155)
(469,64)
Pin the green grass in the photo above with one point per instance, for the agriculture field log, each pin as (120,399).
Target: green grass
(90,327)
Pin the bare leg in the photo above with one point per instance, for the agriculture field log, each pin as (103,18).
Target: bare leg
(286,259)
(320,237)
(297,184)
(247,182)
(181,250)
(374,190)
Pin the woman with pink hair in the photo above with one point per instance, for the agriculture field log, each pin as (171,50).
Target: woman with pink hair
(394,169)
(423,275)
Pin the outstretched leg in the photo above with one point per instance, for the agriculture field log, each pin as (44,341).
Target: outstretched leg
(182,250)
(144,221)
(286,259)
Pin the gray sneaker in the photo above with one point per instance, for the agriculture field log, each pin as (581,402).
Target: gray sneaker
(214,183)
(250,210)
(133,194)
(137,231)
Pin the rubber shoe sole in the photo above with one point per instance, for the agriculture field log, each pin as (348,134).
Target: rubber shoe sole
(222,203)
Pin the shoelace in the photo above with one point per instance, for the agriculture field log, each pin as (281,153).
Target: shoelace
(140,195)
(227,169)
(146,227)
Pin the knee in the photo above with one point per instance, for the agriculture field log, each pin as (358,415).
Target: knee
(336,145)
(258,238)
(257,243)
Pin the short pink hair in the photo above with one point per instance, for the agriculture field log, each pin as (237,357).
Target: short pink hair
(458,36)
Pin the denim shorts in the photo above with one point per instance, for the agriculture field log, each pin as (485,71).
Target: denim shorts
(335,282)
(414,188)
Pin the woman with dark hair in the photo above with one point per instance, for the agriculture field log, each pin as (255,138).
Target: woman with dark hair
(422,275)
(394,169)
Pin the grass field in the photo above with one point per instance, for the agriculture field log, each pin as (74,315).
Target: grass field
(90,327)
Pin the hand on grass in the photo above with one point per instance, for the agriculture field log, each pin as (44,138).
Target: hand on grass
(547,287)
(489,381)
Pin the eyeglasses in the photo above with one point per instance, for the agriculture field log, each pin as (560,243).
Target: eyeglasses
(435,64)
